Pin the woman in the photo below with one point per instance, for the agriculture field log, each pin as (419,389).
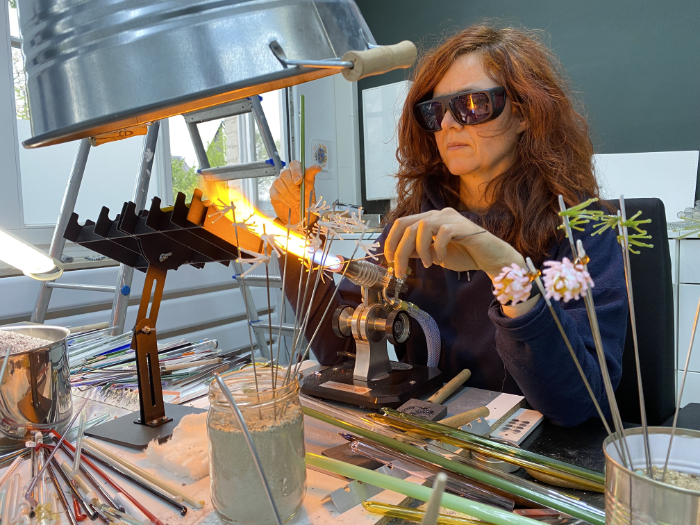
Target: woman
(488,139)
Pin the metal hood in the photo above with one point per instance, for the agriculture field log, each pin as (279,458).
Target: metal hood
(98,66)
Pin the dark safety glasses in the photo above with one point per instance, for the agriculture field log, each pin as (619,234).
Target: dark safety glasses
(467,108)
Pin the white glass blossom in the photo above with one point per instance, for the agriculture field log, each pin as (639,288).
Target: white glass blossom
(255,260)
(512,285)
(566,280)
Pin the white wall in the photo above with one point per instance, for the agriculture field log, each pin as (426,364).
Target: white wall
(331,118)
(109,179)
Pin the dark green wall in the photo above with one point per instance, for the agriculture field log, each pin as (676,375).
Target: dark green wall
(635,64)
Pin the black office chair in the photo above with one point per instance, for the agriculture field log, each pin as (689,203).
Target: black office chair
(653,303)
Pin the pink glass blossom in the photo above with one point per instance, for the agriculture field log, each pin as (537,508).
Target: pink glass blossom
(565,280)
(512,285)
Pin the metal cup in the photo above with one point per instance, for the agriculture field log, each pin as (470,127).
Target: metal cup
(632,498)
(35,390)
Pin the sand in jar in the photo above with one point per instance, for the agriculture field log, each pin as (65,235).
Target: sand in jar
(277,430)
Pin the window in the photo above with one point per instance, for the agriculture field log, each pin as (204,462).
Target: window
(232,140)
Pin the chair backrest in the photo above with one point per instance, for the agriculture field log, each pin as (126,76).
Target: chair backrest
(653,305)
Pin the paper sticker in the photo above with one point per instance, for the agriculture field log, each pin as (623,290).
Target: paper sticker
(346,388)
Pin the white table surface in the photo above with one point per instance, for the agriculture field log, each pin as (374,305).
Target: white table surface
(316,510)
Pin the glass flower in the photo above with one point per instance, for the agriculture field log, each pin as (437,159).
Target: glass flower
(512,285)
(566,280)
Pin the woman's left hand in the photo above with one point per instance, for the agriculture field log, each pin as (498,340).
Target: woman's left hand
(446,238)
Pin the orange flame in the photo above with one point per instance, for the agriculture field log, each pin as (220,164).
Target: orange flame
(258,222)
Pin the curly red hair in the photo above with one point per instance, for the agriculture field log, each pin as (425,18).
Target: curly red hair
(553,155)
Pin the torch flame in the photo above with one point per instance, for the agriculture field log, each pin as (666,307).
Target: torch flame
(257,223)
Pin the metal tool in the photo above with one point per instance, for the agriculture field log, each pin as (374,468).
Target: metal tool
(381,317)
(432,409)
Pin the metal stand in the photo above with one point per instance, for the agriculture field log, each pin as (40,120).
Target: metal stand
(123,288)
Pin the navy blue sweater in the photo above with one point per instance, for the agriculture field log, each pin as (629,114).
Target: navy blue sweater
(526,355)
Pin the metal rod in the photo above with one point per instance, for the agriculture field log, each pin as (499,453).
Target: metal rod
(265,133)
(324,256)
(335,292)
(57,241)
(241,282)
(307,314)
(595,330)
(273,369)
(125,277)
(35,479)
(249,440)
(322,64)
(609,390)
(76,493)
(145,486)
(302,158)
(680,391)
(633,320)
(100,490)
(83,287)
(62,496)
(543,292)
(284,299)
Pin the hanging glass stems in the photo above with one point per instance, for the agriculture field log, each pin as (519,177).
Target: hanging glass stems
(516,456)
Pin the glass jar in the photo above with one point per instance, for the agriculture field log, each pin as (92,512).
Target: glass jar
(276,423)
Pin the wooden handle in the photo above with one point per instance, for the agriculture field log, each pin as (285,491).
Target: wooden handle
(379,60)
(447,390)
(465,417)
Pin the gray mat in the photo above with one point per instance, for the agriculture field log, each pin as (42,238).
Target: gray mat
(123,430)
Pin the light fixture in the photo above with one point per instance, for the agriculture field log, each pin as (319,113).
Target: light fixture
(25,257)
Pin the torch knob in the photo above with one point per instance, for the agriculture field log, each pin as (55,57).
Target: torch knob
(341,321)
(398,327)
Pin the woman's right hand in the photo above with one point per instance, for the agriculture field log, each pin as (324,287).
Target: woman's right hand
(285,191)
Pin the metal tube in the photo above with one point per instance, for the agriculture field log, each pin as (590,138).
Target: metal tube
(630,297)
(680,391)
(76,494)
(145,486)
(265,133)
(323,64)
(249,441)
(62,496)
(83,287)
(609,390)
(57,241)
(126,273)
(98,488)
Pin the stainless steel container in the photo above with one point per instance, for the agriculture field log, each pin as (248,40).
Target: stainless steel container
(35,390)
(632,498)
(99,66)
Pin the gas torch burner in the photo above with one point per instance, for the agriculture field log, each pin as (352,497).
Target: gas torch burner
(380,317)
